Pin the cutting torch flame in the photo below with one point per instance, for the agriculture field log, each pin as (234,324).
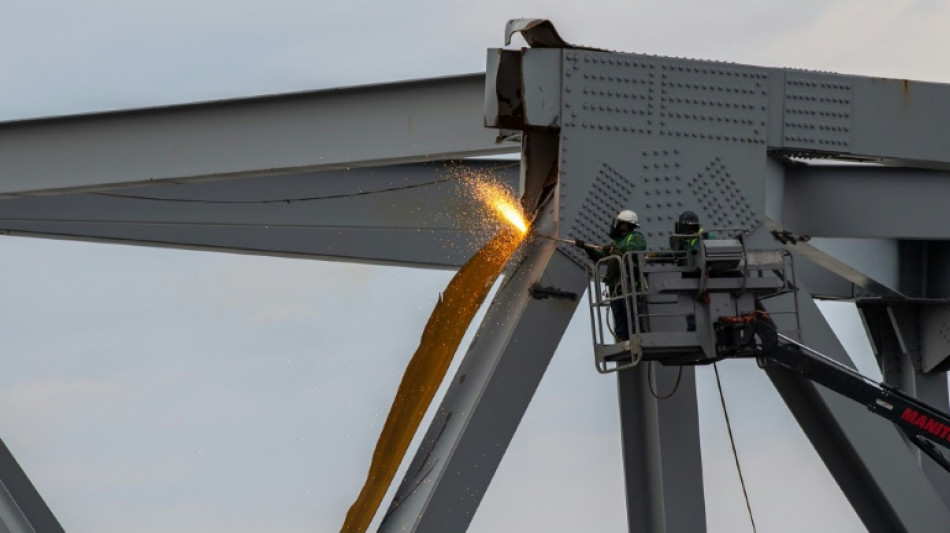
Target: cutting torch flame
(498,203)
(512,215)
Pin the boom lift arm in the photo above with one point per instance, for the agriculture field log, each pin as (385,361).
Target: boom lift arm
(694,308)
(754,335)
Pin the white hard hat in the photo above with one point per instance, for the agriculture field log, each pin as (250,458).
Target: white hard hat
(627,215)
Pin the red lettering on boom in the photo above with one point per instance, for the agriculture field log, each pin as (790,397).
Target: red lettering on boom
(929,425)
(909,415)
(932,426)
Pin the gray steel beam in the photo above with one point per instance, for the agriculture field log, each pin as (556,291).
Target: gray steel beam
(837,115)
(859,117)
(867,201)
(897,336)
(22,509)
(826,266)
(935,339)
(923,275)
(832,268)
(489,394)
(866,455)
(422,120)
(662,459)
(910,337)
(923,266)
(877,259)
(417,215)
(823,282)
(892,119)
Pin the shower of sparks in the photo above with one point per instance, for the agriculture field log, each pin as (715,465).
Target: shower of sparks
(512,214)
(500,206)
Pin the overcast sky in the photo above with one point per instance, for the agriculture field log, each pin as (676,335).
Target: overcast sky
(147,390)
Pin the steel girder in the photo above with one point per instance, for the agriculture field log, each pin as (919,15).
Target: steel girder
(426,120)
(415,215)
(867,202)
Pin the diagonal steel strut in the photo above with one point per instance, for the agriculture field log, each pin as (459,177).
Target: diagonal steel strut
(491,391)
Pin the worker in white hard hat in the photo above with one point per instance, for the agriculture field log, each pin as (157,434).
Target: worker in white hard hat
(626,238)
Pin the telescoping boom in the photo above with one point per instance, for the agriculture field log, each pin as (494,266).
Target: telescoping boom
(754,335)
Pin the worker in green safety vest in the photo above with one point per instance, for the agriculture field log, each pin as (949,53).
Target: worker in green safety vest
(686,235)
(687,232)
(626,238)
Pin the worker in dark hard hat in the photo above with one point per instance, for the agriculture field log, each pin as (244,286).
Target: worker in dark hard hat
(626,238)
(686,235)
(686,232)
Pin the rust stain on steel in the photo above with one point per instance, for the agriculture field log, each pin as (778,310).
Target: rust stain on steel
(905,86)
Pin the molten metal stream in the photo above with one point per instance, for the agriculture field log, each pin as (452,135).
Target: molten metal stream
(440,340)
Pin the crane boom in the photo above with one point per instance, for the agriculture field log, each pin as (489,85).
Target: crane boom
(754,335)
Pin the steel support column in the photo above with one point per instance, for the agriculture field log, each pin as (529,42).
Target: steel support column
(910,338)
(896,332)
(22,509)
(663,467)
(923,268)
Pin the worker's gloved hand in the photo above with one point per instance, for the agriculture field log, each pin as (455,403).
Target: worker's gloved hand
(592,251)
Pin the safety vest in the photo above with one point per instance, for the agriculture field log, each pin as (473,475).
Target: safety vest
(692,244)
(631,242)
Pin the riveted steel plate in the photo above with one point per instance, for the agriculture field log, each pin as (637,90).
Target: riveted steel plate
(713,102)
(660,136)
(934,336)
(817,111)
(723,200)
(603,202)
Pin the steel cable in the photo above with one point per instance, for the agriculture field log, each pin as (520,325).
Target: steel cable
(732,442)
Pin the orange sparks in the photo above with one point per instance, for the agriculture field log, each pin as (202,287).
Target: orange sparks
(511,213)
(500,201)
